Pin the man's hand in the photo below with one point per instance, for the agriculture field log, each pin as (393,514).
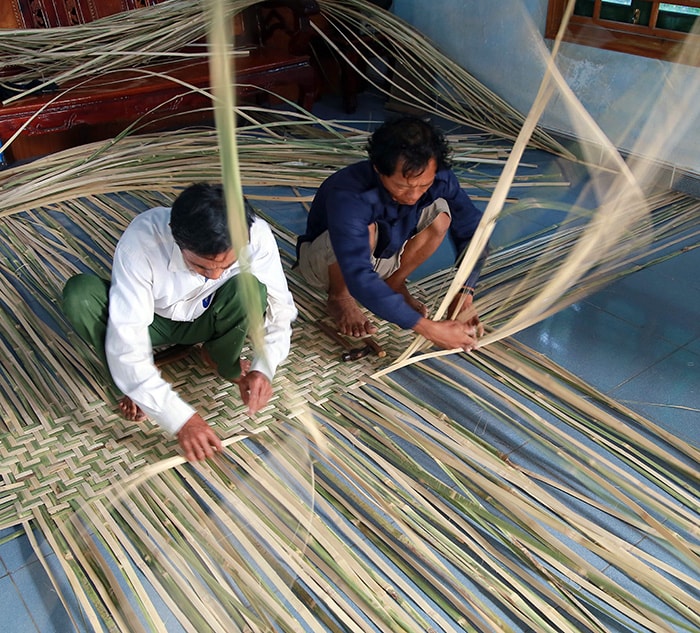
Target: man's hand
(255,390)
(461,302)
(197,440)
(461,308)
(450,334)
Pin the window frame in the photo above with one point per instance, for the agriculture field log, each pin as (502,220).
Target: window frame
(634,39)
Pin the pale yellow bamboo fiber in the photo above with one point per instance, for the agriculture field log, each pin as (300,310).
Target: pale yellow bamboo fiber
(605,228)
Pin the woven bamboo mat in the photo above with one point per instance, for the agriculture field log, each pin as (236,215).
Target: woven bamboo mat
(62,438)
(406,519)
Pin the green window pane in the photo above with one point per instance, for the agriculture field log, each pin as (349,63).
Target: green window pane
(628,11)
(677,18)
(584,8)
(677,8)
(671,16)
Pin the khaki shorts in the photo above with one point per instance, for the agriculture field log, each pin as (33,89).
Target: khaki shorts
(315,257)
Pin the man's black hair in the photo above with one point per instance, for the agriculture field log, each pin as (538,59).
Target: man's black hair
(198,220)
(412,141)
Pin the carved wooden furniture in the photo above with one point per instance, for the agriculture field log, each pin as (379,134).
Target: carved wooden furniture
(276,32)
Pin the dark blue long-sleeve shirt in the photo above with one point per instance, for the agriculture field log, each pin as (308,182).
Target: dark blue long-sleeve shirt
(352,199)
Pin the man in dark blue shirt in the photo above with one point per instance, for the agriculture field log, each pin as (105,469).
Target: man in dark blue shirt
(373,223)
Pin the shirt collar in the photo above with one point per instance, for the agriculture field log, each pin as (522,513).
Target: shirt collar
(177,262)
(381,192)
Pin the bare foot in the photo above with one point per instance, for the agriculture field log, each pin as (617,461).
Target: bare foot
(207,359)
(244,362)
(130,410)
(419,307)
(348,317)
(245,368)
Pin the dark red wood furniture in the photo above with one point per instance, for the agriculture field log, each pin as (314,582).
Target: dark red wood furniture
(99,107)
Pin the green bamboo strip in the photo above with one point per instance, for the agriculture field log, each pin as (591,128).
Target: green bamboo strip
(224,112)
(108,521)
(593,413)
(550,432)
(28,530)
(672,513)
(470,573)
(336,569)
(354,468)
(398,583)
(182,521)
(568,378)
(35,345)
(293,554)
(241,537)
(171,564)
(102,580)
(67,562)
(425,580)
(103,521)
(114,597)
(494,493)
(459,536)
(97,517)
(279,451)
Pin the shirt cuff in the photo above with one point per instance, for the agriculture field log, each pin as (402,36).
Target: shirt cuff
(261,364)
(178,412)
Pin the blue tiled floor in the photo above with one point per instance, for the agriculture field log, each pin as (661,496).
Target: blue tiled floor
(637,340)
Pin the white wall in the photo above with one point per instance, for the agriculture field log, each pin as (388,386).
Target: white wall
(501,43)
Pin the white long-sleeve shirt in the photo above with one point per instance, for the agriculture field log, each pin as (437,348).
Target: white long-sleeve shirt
(150,276)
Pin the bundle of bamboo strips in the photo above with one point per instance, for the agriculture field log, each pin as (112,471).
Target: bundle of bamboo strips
(325,561)
(123,40)
(406,518)
(402,518)
(132,39)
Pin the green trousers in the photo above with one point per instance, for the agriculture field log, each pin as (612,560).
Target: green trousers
(222,328)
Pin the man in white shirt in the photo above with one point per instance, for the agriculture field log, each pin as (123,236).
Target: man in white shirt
(176,279)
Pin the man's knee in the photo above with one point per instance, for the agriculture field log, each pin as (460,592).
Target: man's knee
(84,296)
(442,222)
(439,226)
(436,218)
(314,261)
(233,296)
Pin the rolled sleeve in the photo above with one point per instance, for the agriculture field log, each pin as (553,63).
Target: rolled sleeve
(266,266)
(128,344)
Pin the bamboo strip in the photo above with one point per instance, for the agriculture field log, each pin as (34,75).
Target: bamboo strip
(539,495)
(375,497)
